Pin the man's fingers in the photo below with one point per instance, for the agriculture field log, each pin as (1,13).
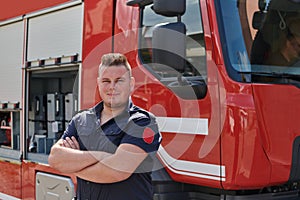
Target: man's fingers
(66,143)
(71,143)
(76,144)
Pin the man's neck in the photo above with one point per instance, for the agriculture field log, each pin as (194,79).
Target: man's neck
(112,111)
(109,113)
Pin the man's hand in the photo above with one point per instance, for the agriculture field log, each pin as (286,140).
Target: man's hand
(71,143)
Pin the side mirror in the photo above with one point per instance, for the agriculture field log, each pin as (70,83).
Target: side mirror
(169,45)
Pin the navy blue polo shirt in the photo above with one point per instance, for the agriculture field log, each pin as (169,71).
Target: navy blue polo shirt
(133,126)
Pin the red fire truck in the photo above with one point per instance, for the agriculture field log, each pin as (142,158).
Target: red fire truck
(222,77)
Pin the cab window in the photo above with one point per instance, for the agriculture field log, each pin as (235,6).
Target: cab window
(195,59)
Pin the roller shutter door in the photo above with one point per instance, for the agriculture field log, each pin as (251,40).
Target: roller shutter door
(11,42)
(55,34)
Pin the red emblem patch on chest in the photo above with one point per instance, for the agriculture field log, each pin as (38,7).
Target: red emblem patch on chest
(148,135)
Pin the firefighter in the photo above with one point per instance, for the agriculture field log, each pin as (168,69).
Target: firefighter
(278,40)
(285,50)
(110,147)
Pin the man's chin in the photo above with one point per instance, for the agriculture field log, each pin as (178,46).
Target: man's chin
(115,105)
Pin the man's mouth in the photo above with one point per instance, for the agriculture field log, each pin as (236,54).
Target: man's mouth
(113,94)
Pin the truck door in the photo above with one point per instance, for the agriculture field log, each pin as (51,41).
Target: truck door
(176,79)
(11,42)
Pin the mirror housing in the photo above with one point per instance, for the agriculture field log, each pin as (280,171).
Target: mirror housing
(169,45)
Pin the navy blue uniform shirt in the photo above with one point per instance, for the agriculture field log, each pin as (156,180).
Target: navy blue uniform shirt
(133,126)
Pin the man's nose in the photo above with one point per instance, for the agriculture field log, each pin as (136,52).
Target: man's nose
(112,85)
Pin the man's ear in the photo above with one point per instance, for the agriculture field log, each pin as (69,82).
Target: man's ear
(132,84)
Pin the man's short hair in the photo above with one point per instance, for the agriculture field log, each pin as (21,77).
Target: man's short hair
(114,59)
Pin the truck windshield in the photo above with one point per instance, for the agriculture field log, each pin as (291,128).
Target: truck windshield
(261,39)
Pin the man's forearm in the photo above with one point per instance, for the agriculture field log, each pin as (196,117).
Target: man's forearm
(70,160)
(103,172)
(115,167)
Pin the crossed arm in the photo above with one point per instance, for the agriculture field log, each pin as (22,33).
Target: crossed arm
(96,166)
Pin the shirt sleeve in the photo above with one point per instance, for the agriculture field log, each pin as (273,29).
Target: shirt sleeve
(70,130)
(143,132)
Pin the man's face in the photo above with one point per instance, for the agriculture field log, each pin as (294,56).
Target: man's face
(294,39)
(292,50)
(296,45)
(115,86)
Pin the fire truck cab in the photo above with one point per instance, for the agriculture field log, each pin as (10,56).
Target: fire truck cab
(222,78)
